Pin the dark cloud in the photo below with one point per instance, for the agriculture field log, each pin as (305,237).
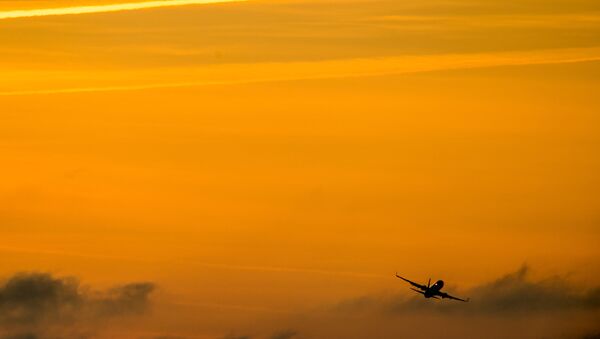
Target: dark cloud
(127,299)
(31,298)
(287,334)
(514,293)
(21,336)
(41,306)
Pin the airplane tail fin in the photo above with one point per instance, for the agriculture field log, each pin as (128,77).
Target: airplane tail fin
(429,283)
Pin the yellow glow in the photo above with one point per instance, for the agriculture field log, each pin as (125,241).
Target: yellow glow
(105,8)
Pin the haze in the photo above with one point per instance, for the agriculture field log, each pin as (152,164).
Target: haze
(260,169)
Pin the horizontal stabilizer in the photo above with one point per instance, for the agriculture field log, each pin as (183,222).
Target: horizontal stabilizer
(418,291)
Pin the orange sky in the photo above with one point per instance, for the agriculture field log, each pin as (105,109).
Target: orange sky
(261,160)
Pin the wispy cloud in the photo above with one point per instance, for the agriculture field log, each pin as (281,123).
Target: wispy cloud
(28,13)
(234,74)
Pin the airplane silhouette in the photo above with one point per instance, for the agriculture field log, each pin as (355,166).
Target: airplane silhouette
(431,291)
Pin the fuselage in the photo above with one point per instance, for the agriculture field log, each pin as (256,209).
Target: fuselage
(433,289)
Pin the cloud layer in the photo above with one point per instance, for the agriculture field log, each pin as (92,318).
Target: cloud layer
(512,294)
(39,305)
(515,305)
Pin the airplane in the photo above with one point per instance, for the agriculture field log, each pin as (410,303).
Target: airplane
(431,291)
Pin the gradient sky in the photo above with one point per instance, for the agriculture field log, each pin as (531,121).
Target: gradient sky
(269,165)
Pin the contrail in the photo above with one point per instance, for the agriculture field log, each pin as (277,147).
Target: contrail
(28,13)
(233,267)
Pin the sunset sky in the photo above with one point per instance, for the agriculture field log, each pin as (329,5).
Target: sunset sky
(261,169)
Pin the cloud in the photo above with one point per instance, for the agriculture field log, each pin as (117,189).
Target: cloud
(240,74)
(28,13)
(232,336)
(287,334)
(512,294)
(39,305)
(515,293)
(514,305)
(21,336)
(127,299)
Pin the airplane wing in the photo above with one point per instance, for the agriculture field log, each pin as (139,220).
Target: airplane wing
(421,287)
(448,296)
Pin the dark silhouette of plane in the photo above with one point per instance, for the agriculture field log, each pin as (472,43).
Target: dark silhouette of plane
(432,291)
